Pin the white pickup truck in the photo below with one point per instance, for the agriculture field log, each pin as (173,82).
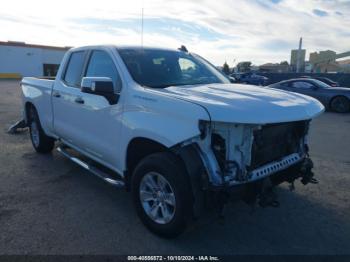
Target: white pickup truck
(168,126)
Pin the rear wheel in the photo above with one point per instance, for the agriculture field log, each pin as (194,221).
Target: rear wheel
(340,104)
(162,194)
(40,141)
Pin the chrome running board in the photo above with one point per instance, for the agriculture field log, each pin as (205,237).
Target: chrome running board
(92,169)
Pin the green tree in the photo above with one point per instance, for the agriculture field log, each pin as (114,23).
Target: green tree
(244,67)
(226,68)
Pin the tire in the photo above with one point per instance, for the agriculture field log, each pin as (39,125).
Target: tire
(40,141)
(340,104)
(162,178)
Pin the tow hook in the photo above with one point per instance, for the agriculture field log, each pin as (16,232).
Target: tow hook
(307,176)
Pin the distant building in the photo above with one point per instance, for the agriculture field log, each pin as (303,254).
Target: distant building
(308,67)
(344,65)
(322,56)
(328,67)
(294,59)
(274,68)
(323,61)
(19,58)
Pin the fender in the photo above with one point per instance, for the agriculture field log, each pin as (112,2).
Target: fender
(166,120)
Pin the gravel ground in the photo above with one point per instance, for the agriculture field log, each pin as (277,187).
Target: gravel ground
(49,205)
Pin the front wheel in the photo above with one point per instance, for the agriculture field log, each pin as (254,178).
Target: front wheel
(162,194)
(40,141)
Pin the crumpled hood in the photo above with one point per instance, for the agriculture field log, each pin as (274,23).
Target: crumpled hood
(248,104)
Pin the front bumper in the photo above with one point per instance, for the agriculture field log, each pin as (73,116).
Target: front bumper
(257,189)
(270,169)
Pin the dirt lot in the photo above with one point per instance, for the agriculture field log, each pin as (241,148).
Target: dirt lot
(49,205)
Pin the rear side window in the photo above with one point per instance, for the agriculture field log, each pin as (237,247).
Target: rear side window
(101,64)
(74,69)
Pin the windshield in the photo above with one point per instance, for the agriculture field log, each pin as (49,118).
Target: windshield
(162,68)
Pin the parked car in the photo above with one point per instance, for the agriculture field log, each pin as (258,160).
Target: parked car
(232,79)
(251,78)
(325,80)
(333,98)
(168,126)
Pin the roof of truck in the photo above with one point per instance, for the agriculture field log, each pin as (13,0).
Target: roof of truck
(123,47)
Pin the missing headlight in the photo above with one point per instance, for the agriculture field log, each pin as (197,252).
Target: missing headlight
(228,168)
(218,145)
(203,128)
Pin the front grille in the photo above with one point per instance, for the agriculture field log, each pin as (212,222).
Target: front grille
(275,141)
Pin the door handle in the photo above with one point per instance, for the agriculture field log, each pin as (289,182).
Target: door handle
(79,100)
(56,94)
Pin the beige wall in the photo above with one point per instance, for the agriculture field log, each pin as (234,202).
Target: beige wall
(322,56)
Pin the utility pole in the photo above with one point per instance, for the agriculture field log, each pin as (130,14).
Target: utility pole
(142,27)
(299,55)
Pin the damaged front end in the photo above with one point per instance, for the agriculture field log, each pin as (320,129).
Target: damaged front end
(247,161)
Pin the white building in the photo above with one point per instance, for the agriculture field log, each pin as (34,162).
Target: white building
(18,58)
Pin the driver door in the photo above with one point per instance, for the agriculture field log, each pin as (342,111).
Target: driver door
(94,122)
(305,88)
(100,120)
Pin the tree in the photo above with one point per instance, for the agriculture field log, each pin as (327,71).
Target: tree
(244,67)
(226,68)
(284,63)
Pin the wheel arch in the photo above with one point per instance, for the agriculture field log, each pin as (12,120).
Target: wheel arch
(137,149)
(27,107)
(140,147)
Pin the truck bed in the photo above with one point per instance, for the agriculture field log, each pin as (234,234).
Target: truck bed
(42,82)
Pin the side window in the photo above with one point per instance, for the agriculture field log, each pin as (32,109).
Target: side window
(74,69)
(188,68)
(187,65)
(302,85)
(102,65)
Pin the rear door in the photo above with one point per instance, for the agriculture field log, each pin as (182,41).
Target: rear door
(66,90)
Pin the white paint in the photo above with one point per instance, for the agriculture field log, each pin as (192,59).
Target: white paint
(238,103)
(168,116)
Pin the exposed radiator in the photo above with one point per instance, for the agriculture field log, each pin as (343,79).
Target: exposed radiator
(275,141)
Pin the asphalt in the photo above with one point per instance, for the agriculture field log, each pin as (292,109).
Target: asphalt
(49,205)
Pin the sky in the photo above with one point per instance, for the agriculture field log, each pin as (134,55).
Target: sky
(260,31)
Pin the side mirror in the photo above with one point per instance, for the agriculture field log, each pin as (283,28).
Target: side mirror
(101,86)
